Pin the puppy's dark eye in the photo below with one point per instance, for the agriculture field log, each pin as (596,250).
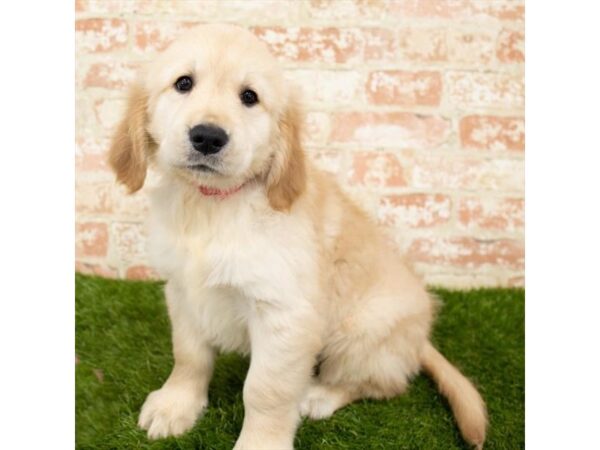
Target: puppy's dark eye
(249,97)
(184,84)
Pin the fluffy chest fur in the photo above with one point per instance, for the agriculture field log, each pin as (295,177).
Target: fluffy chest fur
(228,254)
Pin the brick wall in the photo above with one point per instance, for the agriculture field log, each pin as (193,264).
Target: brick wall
(416,106)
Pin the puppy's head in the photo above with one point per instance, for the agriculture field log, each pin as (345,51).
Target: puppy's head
(213,110)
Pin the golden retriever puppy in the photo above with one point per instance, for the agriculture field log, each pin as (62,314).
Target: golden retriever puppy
(264,254)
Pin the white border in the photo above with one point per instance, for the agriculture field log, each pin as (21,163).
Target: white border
(563,224)
(37,209)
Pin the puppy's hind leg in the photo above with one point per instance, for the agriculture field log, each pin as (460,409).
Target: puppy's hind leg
(364,364)
(321,400)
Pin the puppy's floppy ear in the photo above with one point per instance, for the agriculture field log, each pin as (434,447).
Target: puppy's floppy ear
(131,144)
(286,178)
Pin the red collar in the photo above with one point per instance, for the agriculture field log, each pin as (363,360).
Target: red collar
(219,193)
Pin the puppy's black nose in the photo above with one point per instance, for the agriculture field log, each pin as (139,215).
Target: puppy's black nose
(208,139)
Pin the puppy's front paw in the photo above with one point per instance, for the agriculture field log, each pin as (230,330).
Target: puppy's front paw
(171,411)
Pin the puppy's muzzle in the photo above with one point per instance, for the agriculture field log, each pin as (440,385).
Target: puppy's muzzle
(208,139)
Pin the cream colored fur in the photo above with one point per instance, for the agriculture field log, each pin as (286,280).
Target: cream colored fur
(287,269)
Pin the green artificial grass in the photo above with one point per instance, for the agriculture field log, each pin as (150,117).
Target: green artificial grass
(124,352)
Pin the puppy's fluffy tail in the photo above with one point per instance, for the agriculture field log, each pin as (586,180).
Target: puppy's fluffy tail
(466,403)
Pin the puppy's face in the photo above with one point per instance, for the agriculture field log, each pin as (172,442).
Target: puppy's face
(215,97)
(213,110)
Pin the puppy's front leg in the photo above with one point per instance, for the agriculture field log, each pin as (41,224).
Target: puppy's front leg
(284,346)
(174,408)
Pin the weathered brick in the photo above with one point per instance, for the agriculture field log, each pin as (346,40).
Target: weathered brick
(485,90)
(459,281)
(105,6)
(100,35)
(155,36)
(329,160)
(331,45)
(94,167)
(492,133)
(376,169)
(141,272)
(509,10)
(87,144)
(166,9)
(408,9)
(513,10)
(132,206)
(93,198)
(445,172)
(394,55)
(327,86)
(245,12)
(90,158)
(428,45)
(380,44)
(518,281)
(474,48)
(345,10)
(464,46)
(85,120)
(91,239)
(129,240)
(414,210)
(395,87)
(229,11)
(108,112)
(397,129)
(101,270)
(468,252)
(511,46)
(317,126)
(506,214)
(110,75)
